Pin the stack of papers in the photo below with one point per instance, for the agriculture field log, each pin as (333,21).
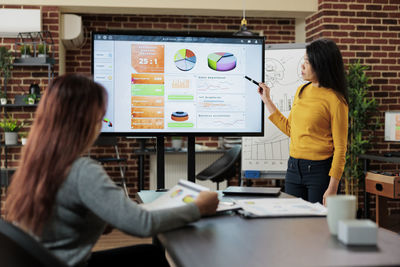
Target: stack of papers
(186,192)
(280,207)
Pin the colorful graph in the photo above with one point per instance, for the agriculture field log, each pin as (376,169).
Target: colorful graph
(108,122)
(185,59)
(221,61)
(176,193)
(179,116)
(180,84)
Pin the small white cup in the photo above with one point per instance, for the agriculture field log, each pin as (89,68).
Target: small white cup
(340,207)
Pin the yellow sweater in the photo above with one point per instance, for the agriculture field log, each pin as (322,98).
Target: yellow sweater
(317,126)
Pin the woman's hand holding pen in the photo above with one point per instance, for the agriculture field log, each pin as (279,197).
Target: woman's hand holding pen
(207,202)
(264,92)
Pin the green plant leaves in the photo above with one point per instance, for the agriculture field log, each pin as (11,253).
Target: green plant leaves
(361,125)
(11,125)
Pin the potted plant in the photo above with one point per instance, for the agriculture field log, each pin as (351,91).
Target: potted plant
(361,125)
(31,99)
(11,127)
(24,137)
(43,50)
(25,51)
(3,98)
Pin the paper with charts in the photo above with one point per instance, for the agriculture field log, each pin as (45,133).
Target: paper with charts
(183,193)
(280,207)
(283,76)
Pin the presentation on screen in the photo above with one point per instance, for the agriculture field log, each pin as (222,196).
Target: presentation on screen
(172,84)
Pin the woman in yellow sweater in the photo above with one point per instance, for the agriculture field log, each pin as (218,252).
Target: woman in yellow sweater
(317,124)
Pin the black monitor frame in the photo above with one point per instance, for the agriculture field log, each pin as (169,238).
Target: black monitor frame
(184,34)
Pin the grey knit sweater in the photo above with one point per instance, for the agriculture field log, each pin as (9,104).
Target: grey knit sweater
(87,200)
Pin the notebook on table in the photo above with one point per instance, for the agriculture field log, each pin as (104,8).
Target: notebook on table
(252,191)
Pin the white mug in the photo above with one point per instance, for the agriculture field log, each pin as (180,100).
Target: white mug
(340,207)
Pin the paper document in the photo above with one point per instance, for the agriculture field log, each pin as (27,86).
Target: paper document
(183,193)
(281,207)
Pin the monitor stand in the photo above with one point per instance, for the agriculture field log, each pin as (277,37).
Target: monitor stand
(191,158)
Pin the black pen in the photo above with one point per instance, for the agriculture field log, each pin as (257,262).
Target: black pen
(251,80)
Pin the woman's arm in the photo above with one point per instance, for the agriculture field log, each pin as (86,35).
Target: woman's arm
(339,136)
(276,116)
(102,197)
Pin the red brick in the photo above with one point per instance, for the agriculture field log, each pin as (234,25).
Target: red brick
(388,48)
(379,41)
(388,61)
(390,8)
(174,26)
(356,7)
(372,34)
(347,27)
(356,20)
(339,6)
(339,34)
(130,25)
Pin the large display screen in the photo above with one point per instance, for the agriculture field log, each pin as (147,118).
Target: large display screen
(176,84)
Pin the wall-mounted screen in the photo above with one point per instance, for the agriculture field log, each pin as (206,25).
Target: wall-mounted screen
(177,84)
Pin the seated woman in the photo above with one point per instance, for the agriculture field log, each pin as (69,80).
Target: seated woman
(66,200)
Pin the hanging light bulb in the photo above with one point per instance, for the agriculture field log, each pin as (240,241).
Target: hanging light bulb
(243,31)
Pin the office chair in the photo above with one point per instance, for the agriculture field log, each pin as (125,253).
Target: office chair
(122,162)
(223,168)
(19,249)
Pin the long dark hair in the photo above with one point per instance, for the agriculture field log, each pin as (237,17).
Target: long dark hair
(327,62)
(64,127)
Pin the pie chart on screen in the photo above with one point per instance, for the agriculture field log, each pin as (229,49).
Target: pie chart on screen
(185,59)
(221,61)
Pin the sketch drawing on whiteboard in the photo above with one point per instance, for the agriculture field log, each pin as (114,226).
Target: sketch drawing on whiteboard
(283,76)
(276,71)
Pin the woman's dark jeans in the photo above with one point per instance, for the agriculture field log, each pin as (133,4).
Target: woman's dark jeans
(307,179)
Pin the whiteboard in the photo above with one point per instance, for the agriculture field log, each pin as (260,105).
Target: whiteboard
(283,75)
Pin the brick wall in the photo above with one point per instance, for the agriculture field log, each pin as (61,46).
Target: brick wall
(22,77)
(369,31)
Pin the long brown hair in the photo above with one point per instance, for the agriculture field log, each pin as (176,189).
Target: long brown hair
(64,127)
